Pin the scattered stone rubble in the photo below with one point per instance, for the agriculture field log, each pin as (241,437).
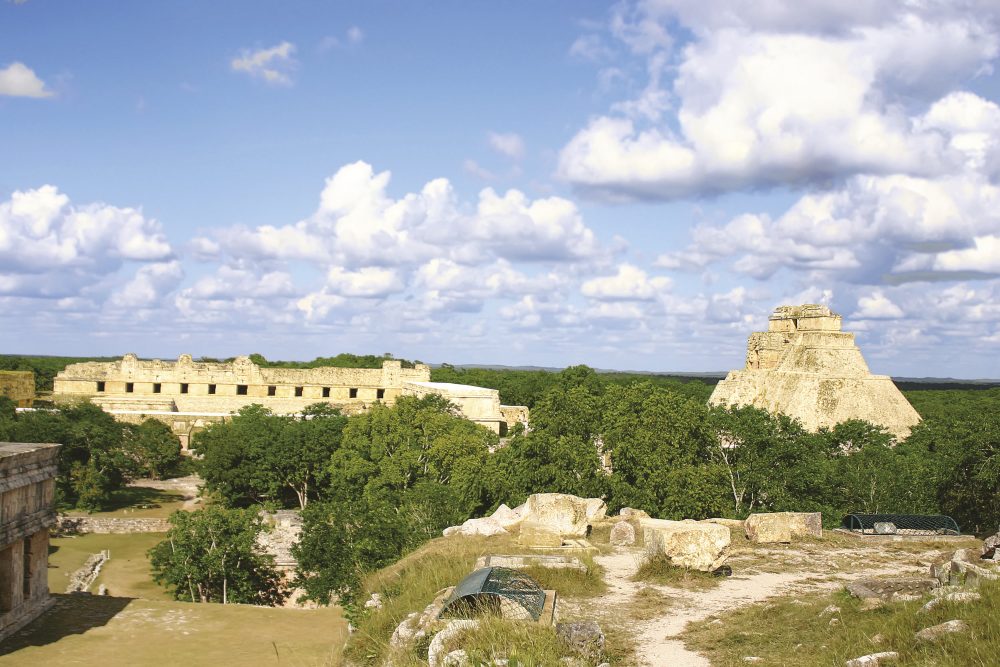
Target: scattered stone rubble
(873,659)
(935,632)
(584,638)
(543,521)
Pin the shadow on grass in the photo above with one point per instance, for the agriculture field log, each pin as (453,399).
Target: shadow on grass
(71,615)
(135,497)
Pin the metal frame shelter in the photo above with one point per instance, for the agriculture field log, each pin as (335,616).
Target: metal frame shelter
(904,524)
(489,590)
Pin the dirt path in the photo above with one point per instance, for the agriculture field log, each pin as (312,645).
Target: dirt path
(657,639)
(188,487)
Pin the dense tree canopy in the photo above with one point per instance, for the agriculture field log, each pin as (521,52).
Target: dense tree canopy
(98,455)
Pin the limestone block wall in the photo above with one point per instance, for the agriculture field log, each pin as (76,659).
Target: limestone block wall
(110,525)
(27,489)
(478,404)
(212,387)
(804,366)
(18,386)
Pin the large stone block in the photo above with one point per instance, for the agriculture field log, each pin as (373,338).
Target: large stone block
(690,544)
(783,526)
(569,516)
(539,535)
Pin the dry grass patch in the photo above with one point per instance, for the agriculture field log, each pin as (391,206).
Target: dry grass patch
(648,603)
(659,570)
(792,631)
(411,584)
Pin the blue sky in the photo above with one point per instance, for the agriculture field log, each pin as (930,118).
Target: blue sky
(630,185)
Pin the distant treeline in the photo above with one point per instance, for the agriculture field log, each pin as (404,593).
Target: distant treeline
(44,368)
(521,387)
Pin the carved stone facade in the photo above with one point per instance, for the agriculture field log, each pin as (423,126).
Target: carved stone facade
(188,395)
(804,366)
(18,386)
(27,491)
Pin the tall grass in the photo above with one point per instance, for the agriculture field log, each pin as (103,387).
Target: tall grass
(412,583)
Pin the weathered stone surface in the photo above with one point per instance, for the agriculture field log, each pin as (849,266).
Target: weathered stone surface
(506,517)
(890,588)
(884,528)
(783,526)
(960,597)
(485,526)
(457,658)
(584,638)
(622,534)
(941,629)
(991,547)
(374,602)
(110,525)
(568,515)
(535,534)
(728,523)
(690,544)
(804,366)
(416,624)
(630,513)
(531,560)
(436,651)
(873,659)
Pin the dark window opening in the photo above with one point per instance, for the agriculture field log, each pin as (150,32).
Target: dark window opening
(157,387)
(380,394)
(272,390)
(241,390)
(7,583)
(26,569)
(100,386)
(354,392)
(326,392)
(211,388)
(184,388)
(298,391)
(129,387)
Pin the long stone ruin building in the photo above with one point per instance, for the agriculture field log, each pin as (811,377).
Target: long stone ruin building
(27,491)
(804,366)
(188,394)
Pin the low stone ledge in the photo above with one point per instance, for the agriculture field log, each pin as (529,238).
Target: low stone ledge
(108,525)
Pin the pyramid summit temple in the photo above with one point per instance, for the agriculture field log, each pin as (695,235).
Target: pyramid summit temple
(804,366)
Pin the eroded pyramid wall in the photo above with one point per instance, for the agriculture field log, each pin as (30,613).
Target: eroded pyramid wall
(804,366)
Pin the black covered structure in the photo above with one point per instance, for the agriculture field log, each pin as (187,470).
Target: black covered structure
(493,590)
(900,524)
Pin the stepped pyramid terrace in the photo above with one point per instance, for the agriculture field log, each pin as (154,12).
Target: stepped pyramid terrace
(804,366)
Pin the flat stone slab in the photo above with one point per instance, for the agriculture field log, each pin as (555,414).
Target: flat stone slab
(532,560)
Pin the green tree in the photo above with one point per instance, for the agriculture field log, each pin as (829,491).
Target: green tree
(212,555)
(661,451)
(153,449)
(341,541)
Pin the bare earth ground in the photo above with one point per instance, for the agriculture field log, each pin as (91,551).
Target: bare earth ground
(759,573)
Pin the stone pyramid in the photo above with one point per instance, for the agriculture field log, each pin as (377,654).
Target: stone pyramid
(805,367)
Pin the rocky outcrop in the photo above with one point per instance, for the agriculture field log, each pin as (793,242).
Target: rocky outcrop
(783,526)
(804,366)
(436,652)
(690,544)
(584,638)
(485,527)
(991,547)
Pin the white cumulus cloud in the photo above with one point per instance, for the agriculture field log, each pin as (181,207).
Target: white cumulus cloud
(19,80)
(274,65)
